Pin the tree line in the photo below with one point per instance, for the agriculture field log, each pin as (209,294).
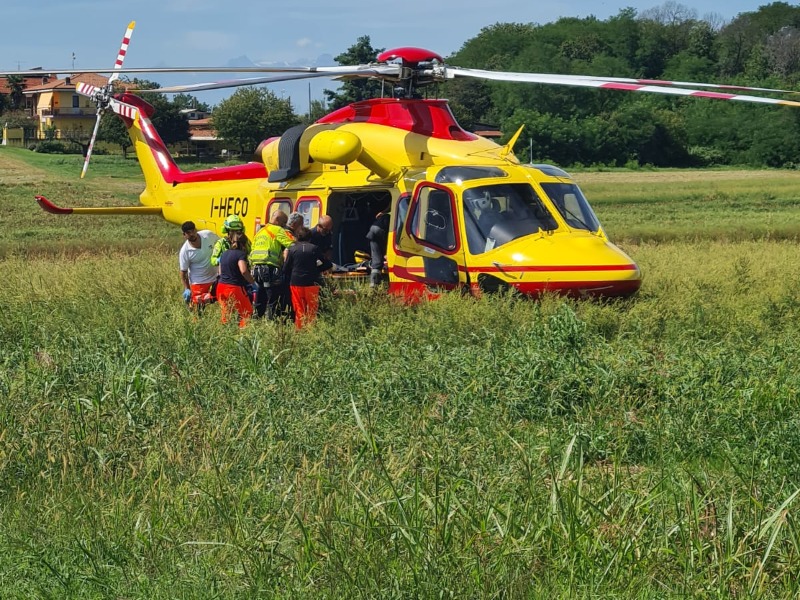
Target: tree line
(573,126)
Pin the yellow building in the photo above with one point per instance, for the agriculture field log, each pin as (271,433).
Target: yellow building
(61,112)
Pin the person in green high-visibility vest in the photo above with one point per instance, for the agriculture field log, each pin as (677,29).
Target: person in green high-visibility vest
(266,258)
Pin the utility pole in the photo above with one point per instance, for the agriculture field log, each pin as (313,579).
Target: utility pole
(73,61)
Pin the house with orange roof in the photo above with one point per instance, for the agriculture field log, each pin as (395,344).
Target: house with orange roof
(27,82)
(60,110)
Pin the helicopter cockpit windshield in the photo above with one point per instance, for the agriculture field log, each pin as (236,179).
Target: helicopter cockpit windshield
(496,214)
(571,203)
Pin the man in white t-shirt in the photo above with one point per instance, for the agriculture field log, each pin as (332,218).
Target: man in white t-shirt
(194,259)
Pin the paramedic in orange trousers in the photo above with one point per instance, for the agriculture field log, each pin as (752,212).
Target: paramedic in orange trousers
(194,261)
(293,223)
(304,263)
(235,281)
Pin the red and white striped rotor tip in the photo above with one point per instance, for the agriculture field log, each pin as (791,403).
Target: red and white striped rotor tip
(123,51)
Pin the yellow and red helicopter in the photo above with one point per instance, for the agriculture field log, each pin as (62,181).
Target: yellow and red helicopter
(465,212)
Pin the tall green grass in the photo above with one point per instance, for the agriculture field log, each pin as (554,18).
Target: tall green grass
(463,448)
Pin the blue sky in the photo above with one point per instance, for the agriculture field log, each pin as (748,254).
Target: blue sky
(46,33)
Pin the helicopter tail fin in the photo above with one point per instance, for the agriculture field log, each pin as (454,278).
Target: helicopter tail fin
(159,167)
(156,161)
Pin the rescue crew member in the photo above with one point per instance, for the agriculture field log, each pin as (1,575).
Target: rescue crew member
(377,236)
(194,261)
(304,263)
(266,258)
(322,236)
(294,221)
(235,280)
(231,223)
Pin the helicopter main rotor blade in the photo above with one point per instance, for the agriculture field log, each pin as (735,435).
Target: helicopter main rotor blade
(608,83)
(334,71)
(218,85)
(525,77)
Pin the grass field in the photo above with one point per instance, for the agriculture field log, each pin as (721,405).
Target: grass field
(464,448)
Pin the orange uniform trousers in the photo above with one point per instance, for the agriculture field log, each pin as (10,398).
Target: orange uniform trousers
(201,293)
(305,301)
(233,298)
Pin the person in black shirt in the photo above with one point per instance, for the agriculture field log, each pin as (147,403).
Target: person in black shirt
(304,263)
(322,236)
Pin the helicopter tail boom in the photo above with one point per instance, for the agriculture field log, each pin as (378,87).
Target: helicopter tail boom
(52,208)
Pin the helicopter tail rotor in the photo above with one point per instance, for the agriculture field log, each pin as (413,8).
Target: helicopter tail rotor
(102,96)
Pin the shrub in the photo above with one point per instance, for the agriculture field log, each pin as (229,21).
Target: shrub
(55,147)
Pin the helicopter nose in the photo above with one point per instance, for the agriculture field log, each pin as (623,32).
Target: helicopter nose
(575,265)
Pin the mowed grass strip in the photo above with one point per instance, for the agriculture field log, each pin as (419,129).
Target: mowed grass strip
(665,205)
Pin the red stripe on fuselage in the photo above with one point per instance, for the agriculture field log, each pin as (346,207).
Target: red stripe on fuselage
(557,268)
(536,269)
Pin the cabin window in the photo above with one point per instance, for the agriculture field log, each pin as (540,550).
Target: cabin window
(431,220)
(310,209)
(284,204)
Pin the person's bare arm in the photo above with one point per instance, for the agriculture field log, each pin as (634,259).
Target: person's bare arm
(245,271)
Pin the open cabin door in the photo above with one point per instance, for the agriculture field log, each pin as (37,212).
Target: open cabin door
(429,255)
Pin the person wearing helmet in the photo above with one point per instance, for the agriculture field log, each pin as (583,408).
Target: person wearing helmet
(231,223)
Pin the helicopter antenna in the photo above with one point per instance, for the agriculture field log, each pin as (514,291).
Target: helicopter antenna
(509,147)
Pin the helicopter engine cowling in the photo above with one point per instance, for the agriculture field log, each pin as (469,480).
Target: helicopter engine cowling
(335,147)
(343,147)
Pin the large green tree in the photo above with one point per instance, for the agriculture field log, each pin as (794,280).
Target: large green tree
(183,101)
(251,115)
